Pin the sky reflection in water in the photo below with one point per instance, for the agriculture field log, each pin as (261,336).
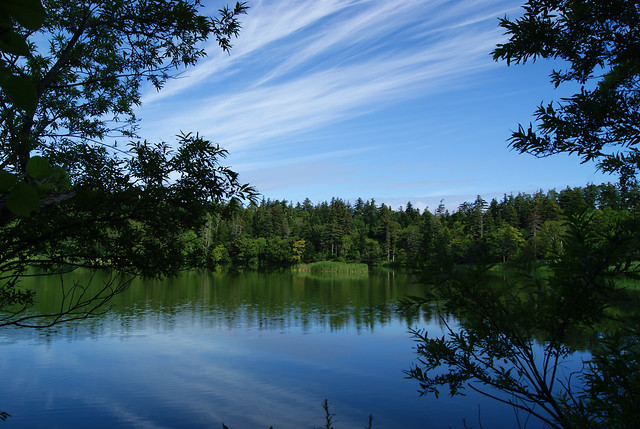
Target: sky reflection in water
(250,350)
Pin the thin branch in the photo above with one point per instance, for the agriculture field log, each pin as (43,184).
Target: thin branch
(74,307)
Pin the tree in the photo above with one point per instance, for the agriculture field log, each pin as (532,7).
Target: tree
(298,251)
(550,238)
(599,41)
(29,14)
(72,193)
(506,241)
(515,337)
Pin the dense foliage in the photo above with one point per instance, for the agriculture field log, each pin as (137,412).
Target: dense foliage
(598,44)
(515,339)
(512,341)
(520,227)
(78,186)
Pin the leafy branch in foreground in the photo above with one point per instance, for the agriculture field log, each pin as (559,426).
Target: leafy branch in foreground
(71,76)
(128,215)
(514,338)
(79,301)
(598,42)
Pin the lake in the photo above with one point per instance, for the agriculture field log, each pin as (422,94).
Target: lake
(250,350)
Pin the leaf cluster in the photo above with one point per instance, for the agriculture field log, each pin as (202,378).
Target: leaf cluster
(89,75)
(600,44)
(613,380)
(71,75)
(131,215)
(23,194)
(513,338)
(30,15)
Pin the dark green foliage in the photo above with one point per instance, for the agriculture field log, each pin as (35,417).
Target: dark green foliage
(137,227)
(522,228)
(514,338)
(599,43)
(30,15)
(332,267)
(613,380)
(99,54)
(70,194)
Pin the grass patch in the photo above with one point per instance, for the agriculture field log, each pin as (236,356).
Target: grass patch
(517,266)
(332,267)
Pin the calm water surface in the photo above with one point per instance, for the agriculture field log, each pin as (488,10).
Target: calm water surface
(248,350)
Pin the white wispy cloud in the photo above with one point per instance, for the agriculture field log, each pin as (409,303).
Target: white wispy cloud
(267,23)
(300,65)
(304,71)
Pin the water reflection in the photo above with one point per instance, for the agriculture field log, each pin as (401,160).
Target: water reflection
(264,301)
(249,350)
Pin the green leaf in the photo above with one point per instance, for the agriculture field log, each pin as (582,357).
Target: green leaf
(7,180)
(23,200)
(29,13)
(13,43)
(46,187)
(22,92)
(38,168)
(60,176)
(5,19)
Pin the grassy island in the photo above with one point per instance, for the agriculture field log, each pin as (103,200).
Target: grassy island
(332,267)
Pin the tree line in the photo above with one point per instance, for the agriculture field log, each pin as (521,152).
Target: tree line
(523,227)
(70,198)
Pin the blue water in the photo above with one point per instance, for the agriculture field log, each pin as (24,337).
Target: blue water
(200,362)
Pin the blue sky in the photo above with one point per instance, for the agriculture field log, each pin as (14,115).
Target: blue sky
(393,100)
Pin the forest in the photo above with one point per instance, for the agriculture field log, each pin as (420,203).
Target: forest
(523,228)
(72,197)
